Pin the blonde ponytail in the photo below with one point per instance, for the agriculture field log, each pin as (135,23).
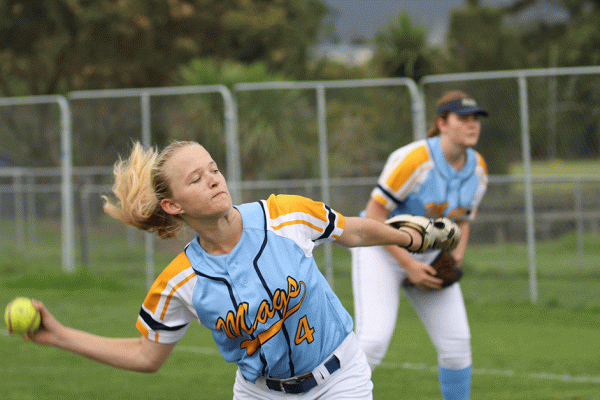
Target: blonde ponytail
(140,184)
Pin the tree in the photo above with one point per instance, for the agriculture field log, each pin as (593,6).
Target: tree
(56,46)
(59,46)
(276,32)
(478,41)
(401,48)
(571,40)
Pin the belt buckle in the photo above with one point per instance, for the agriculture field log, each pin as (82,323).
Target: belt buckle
(293,381)
(281,387)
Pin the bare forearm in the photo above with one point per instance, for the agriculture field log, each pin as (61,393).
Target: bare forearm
(135,354)
(124,353)
(367,232)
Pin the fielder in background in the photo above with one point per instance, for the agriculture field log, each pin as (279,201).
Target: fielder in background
(438,176)
(248,275)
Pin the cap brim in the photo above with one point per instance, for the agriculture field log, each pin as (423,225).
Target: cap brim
(471,110)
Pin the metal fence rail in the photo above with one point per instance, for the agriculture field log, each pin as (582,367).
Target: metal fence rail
(25,191)
(68,224)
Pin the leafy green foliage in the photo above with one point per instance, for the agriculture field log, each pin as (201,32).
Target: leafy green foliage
(401,48)
(50,47)
(477,41)
(208,71)
(56,47)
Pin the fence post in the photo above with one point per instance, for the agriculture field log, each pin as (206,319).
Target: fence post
(526,154)
(19,208)
(579,223)
(85,222)
(324,163)
(31,212)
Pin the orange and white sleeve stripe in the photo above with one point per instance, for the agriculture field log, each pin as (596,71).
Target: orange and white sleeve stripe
(167,310)
(403,174)
(307,222)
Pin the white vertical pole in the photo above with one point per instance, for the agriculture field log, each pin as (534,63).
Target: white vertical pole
(146,142)
(31,213)
(19,208)
(579,221)
(419,114)
(234,165)
(526,154)
(67,210)
(324,165)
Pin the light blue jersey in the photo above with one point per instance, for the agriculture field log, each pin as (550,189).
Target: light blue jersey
(417,180)
(268,306)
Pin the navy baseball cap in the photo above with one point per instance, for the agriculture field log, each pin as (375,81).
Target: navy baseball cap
(461,107)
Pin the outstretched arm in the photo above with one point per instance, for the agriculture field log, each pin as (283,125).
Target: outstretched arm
(135,354)
(359,232)
(414,232)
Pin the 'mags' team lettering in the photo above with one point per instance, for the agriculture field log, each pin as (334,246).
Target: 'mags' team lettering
(235,322)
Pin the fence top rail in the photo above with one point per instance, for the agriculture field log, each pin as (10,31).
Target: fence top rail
(510,74)
(544,178)
(372,180)
(52,171)
(354,181)
(26,100)
(350,83)
(166,91)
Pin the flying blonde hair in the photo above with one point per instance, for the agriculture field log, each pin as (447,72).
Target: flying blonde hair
(140,184)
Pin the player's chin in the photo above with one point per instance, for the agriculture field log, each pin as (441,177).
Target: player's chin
(221,199)
(471,141)
(223,205)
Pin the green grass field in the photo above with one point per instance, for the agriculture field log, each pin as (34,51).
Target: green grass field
(558,167)
(547,350)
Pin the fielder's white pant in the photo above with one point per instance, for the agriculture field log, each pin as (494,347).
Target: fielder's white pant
(351,381)
(377,278)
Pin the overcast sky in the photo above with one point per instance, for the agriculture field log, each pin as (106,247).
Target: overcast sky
(363,18)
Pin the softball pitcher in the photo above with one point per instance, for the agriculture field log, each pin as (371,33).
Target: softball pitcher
(438,176)
(248,276)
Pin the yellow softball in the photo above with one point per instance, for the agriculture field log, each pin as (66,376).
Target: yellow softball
(21,317)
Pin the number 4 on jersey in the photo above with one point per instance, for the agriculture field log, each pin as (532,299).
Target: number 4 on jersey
(304,331)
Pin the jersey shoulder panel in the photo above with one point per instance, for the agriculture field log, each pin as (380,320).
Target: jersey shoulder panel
(167,308)
(307,222)
(284,210)
(404,171)
(404,163)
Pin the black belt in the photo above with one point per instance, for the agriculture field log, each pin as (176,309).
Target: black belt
(302,383)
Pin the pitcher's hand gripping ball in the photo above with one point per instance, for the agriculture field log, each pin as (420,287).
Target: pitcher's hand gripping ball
(440,233)
(21,317)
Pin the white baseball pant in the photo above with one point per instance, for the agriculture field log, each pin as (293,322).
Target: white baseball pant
(377,279)
(351,381)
